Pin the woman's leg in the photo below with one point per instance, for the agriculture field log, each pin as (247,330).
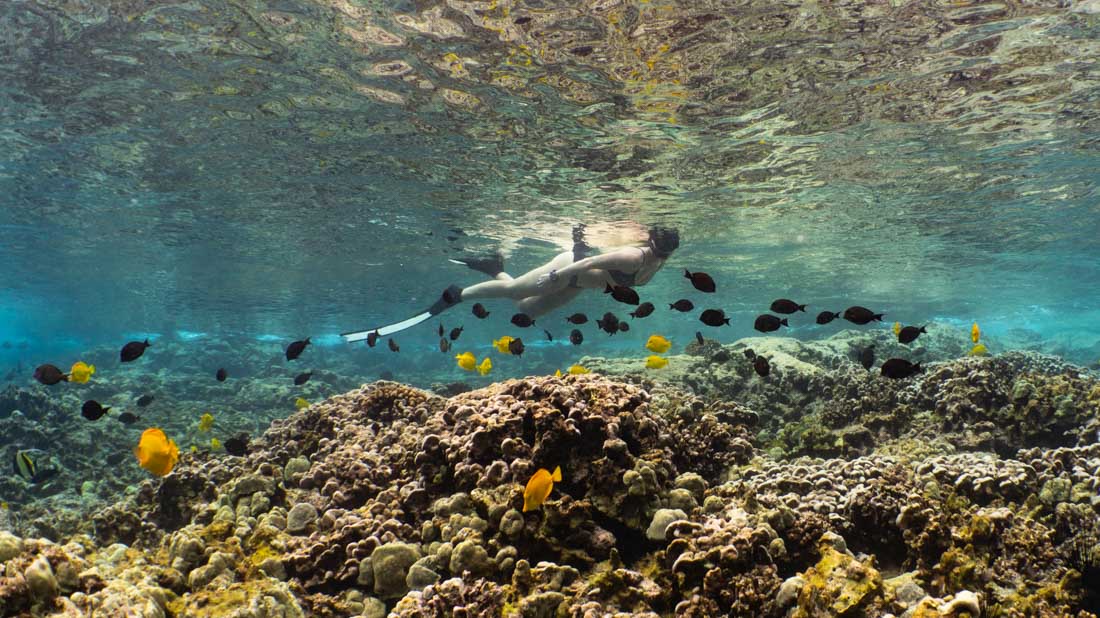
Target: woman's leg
(535,306)
(522,286)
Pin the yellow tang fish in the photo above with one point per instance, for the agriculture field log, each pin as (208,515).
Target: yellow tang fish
(215,443)
(897,328)
(655,362)
(979,350)
(577,370)
(300,403)
(557,374)
(81,372)
(539,488)
(485,367)
(206,422)
(975,333)
(466,361)
(502,344)
(658,344)
(156,453)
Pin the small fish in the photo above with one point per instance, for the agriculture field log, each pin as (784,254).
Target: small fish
(302,378)
(578,370)
(221,375)
(576,337)
(609,323)
(372,338)
(655,362)
(827,316)
(81,372)
(128,418)
(237,445)
(899,368)
(522,320)
(786,306)
(539,487)
(750,353)
(300,403)
(658,344)
(155,452)
(456,333)
(466,361)
(49,374)
(767,323)
(714,317)
(897,328)
(502,344)
(861,315)
(145,400)
(557,373)
(622,293)
(92,410)
(295,349)
(623,327)
(444,345)
(215,444)
(683,305)
(577,318)
(206,422)
(701,281)
(642,311)
(975,333)
(867,357)
(699,338)
(909,334)
(133,350)
(393,345)
(761,366)
(515,347)
(480,312)
(978,350)
(441,329)
(549,337)
(26,466)
(485,367)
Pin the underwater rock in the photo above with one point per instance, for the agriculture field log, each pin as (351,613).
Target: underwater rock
(838,585)
(300,517)
(662,518)
(10,546)
(391,564)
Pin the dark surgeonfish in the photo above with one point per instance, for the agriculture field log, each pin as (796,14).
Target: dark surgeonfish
(683,305)
(768,323)
(221,375)
(480,312)
(444,345)
(294,350)
(144,400)
(302,378)
(899,368)
(827,316)
(761,366)
(786,306)
(49,374)
(714,317)
(93,411)
(549,337)
(622,293)
(699,338)
(609,323)
(133,350)
(576,337)
(238,444)
(393,345)
(372,338)
(623,327)
(522,320)
(515,347)
(867,357)
(909,334)
(750,353)
(128,418)
(642,311)
(456,333)
(701,281)
(577,318)
(441,329)
(861,315)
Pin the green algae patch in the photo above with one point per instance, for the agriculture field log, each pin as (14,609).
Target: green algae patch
(262,595)
(838,585)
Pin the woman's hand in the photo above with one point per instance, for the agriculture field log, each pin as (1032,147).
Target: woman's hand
(546,279)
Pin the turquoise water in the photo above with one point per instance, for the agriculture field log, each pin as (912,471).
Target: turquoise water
(252,170)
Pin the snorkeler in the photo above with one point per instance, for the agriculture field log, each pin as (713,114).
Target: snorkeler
(555,283)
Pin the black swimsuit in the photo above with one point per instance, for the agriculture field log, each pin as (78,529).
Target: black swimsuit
(624,279)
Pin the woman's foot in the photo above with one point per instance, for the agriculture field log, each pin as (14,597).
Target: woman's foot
(491,265)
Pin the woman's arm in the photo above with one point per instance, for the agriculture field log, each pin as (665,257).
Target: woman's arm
(627,259)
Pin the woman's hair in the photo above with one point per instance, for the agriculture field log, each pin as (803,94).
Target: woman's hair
(664,240)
